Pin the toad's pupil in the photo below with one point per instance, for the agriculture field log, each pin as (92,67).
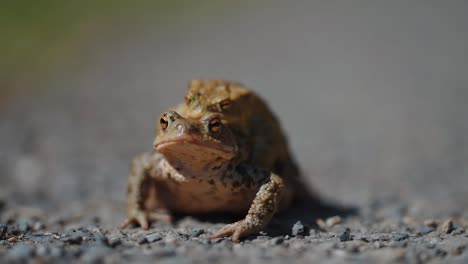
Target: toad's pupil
(215,126)
(164,123)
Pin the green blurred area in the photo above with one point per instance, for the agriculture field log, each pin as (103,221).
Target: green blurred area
(36,35)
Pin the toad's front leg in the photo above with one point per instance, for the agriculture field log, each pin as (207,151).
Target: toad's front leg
(142,197)
(264,206)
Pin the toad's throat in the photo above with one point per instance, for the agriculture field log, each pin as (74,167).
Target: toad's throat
(194,158)
(183,147)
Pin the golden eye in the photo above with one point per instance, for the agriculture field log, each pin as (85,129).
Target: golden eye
(164,121)
(215,125)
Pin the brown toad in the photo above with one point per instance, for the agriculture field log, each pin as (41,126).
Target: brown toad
(222,150)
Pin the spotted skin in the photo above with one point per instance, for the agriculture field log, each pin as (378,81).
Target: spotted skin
(222,150)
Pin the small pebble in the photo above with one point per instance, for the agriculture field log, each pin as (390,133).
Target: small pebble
(153,237)
(399,236)
(298,229)
(345,235)
(424,230)
(447,226)
(332,221)
(198,232)
(73,238)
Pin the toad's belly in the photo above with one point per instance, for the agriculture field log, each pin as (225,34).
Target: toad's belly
(203,196)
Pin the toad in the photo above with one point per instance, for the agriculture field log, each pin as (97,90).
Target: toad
(221,150)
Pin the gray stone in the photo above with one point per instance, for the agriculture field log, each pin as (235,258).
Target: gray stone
(298,229)
(399,236)
(424,230)
(153,237)
(73,237)
(197,232)
(447,226)
(345,235)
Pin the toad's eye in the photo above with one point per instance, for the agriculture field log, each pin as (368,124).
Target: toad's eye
(215,125)
(164,121)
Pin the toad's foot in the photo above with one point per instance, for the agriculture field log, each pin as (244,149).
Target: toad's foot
(237,230)
(144,218)
(264,206)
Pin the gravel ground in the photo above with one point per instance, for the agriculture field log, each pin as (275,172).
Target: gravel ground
(63,198)
(372,97)
(376,233)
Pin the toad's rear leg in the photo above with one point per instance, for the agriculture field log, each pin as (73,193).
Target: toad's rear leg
(142,198)
(264,206)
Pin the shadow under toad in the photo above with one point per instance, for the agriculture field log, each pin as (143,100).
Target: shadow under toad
(306,211)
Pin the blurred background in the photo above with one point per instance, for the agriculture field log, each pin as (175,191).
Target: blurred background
(372,94)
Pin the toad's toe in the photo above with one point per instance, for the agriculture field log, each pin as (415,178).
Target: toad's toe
(236,230)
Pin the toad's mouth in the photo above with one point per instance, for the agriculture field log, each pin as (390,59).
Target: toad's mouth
(185,144)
